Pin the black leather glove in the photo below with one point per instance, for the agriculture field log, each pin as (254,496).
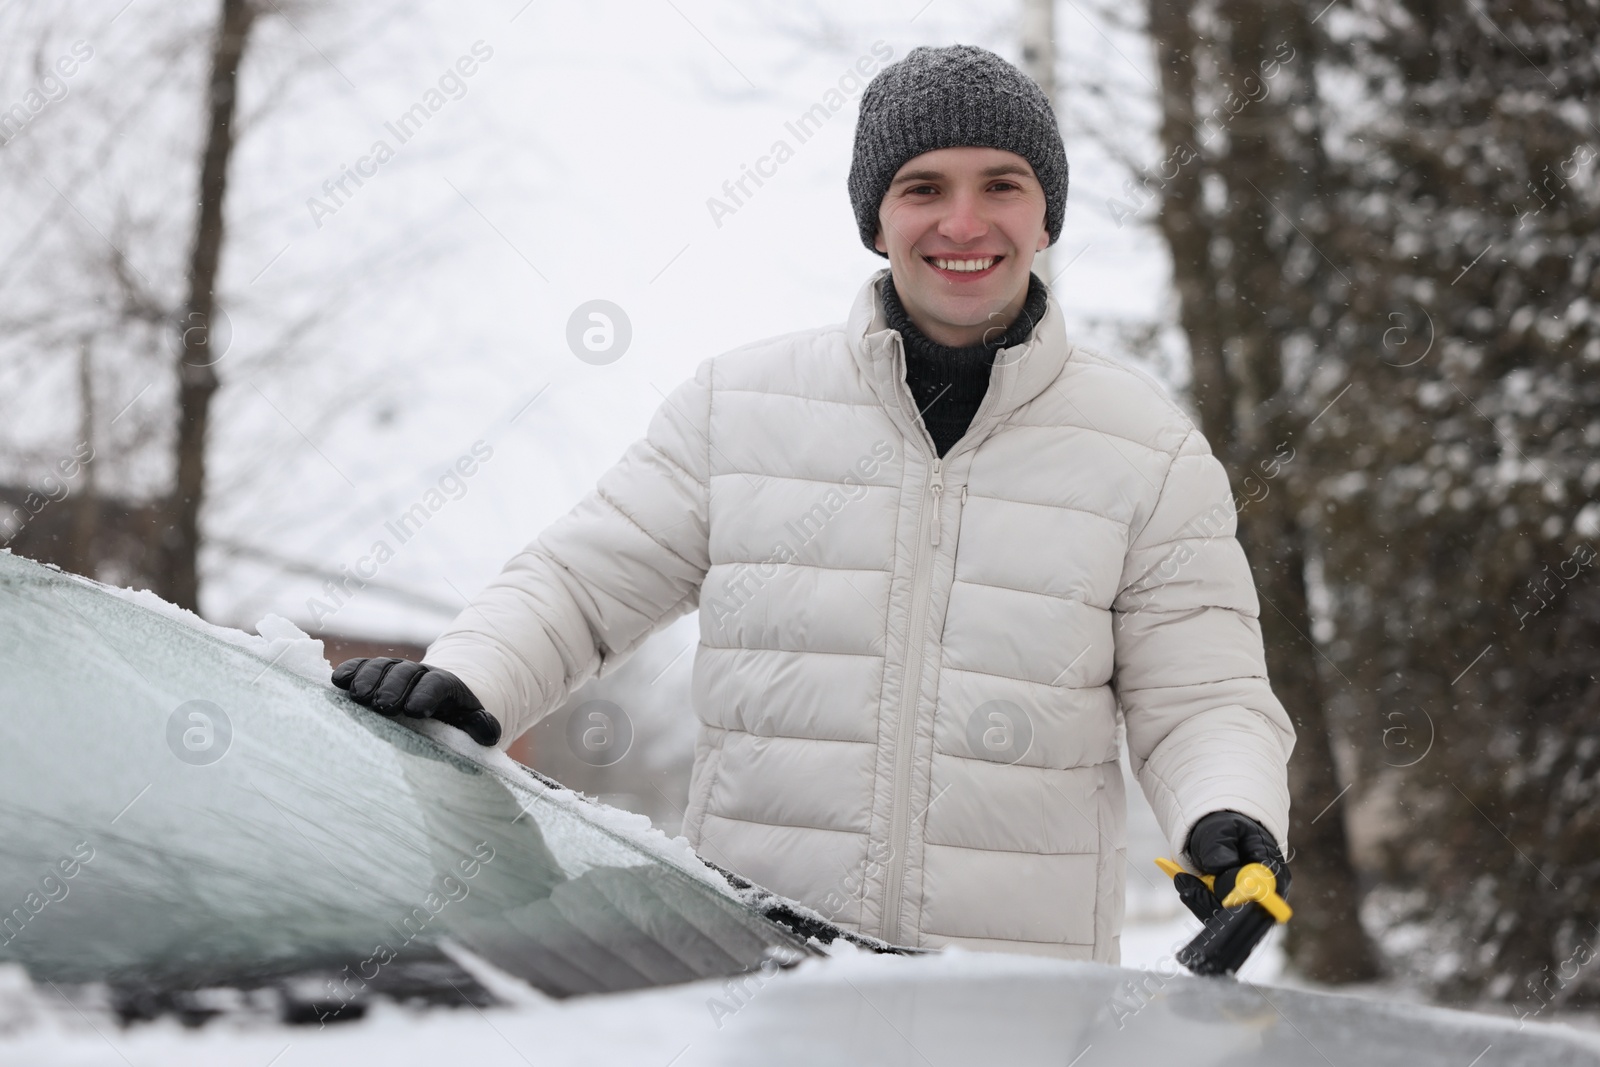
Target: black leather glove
(1220,844)
(391,686)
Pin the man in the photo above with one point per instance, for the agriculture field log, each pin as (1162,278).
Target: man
(942,557)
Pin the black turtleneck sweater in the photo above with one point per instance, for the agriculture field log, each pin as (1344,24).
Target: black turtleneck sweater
(948,384)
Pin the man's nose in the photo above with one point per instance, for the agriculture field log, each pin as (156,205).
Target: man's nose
(963,222)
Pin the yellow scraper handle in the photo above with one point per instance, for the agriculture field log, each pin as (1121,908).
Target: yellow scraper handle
(1255,881)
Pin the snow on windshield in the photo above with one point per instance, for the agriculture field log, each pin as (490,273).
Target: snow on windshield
(181,809)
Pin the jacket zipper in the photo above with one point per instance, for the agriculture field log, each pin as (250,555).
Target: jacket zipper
(905,734)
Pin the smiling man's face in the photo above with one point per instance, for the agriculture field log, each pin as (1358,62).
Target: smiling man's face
(961,227)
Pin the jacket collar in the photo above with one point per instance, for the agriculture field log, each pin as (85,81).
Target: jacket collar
(1020,373)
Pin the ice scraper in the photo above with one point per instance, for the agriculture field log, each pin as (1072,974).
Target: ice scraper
(1249,905)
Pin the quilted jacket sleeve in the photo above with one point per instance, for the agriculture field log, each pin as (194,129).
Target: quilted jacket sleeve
(1205,732)
(625,561)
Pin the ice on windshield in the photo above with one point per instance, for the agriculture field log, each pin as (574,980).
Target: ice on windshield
(181,810)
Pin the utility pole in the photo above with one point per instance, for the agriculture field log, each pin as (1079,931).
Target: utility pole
(1039,63)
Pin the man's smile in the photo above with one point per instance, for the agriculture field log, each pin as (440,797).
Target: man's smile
(964,267)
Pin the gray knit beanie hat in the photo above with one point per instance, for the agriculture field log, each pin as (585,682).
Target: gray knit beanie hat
(949,98)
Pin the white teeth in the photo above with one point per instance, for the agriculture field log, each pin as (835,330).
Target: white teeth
(964,264)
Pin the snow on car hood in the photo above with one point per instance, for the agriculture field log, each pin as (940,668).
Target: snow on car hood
(955,1008)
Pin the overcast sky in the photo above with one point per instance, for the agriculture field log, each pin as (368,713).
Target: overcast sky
(574,163)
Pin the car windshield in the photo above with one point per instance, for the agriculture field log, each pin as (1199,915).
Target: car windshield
(182,811)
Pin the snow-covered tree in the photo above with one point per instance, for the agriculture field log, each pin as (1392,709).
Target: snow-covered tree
(1457,474)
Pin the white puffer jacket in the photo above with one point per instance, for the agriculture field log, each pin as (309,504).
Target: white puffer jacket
(911,671)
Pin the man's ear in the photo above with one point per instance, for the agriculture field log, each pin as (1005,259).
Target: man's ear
(878,243)
(1044,241)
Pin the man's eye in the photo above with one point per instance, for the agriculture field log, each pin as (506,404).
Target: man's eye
(1005,187)
(917,190)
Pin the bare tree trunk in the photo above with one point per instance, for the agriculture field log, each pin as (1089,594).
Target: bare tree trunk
(1237,314)
(1039,63)
(197,377)
(1184,224)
